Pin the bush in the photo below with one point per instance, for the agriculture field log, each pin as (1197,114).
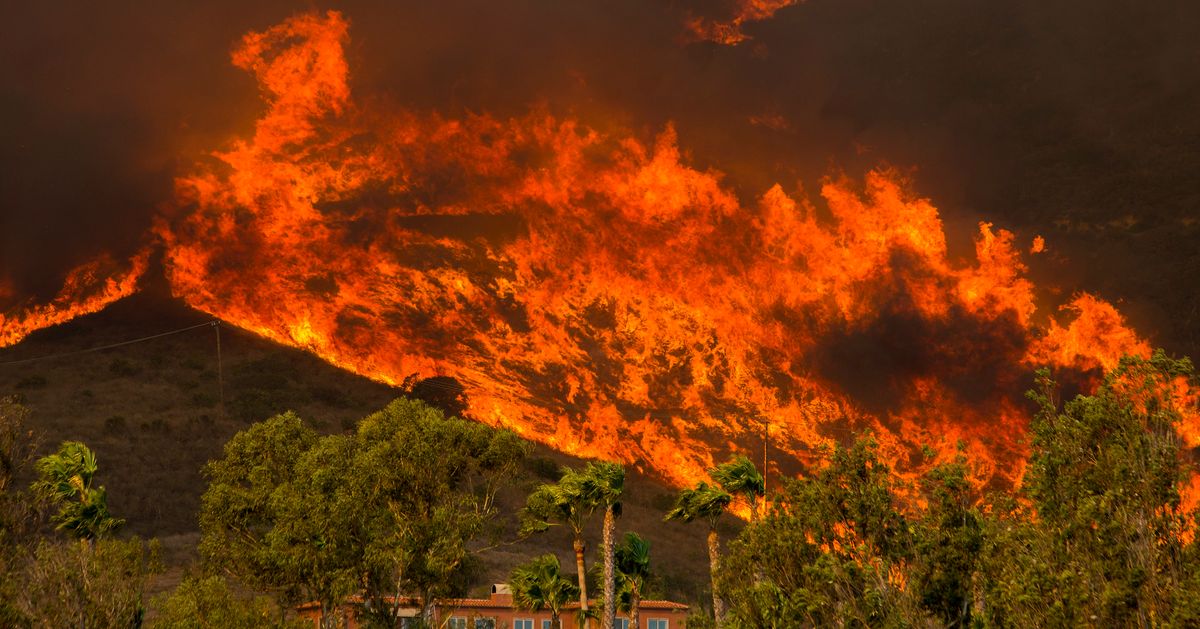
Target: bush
(544,467)
(329,396)
(115,425)
(106,582)
(122,367)
(208,602)
(32,382)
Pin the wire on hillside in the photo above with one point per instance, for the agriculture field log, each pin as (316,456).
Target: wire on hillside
(207,324)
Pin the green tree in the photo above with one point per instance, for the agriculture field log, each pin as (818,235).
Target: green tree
(540,584)
(103,587)
(238,510)
(65,479)
(633,573)
(570,502)
(739,477)
(705,502)
(832,551)
(203,602)
(947,543)
(394,508)
(427,484)
(1106,546)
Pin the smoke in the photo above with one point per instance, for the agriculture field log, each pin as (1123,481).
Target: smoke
(1074,120)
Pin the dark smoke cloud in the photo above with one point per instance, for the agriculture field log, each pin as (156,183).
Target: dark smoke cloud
(1077,120)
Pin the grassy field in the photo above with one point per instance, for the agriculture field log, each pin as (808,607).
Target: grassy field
(152,412)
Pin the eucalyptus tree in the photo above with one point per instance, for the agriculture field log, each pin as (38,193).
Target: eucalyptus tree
(540,584)
(705,502)
(834,550)
(239,509)
(1111,543)
(740,477)
(394,508)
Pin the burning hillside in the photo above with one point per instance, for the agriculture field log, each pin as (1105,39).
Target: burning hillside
(597,292)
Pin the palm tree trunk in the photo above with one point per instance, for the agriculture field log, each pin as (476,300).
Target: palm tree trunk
(583,598)
(610,577)
(635,608)
(714,557)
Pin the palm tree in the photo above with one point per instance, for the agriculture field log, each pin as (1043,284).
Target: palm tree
(604,483)
(738,476)
(570,501)
(65,479)
(633,570)
(706,502)
(540,585)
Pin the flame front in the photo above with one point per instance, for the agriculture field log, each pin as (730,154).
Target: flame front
(598,294)
(88,288)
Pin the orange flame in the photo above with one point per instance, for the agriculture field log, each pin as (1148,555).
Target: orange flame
(729,31)
(599,294)
(87,289)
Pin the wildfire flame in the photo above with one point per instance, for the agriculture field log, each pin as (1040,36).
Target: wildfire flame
(729,31)
(87,289)
(597,293)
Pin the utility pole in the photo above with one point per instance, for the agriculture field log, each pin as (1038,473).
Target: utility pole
(216,324)
(766,449)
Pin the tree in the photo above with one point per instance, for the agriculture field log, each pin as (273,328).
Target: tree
(238,509)
(17,447)
(948,540)
(1106,547)
(102,587)
(604,482)
(201,602)
(832,551)
(540,584)
(739,477)
(705,502)
(65,479)
(633,572)
(428,484)
(570,502)
(393,508)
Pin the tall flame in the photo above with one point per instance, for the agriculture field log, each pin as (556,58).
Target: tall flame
(599,294)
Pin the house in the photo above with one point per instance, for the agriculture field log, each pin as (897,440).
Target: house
(497,612)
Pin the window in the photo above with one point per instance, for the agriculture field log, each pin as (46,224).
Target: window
(523,623)
(621,623)
(547,624)
(457,622)
(485,623)
(658,623)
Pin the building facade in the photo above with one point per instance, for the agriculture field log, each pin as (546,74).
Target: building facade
(497,612)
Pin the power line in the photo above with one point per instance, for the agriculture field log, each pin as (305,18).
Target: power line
(101,348)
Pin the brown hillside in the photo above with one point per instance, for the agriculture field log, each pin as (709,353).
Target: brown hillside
(151,411)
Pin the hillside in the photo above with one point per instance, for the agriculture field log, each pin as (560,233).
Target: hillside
(152,412)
